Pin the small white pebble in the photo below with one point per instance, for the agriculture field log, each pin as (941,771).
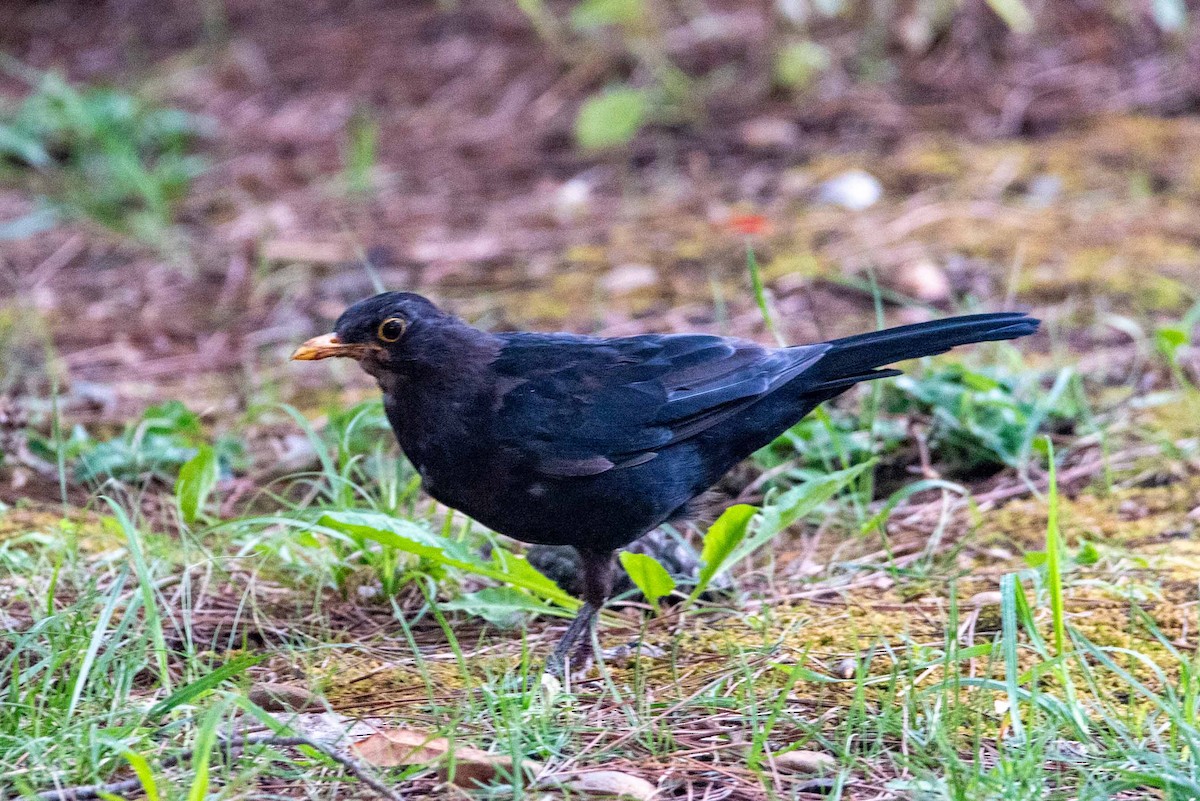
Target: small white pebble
(924,281)
(854,190)
(629,278)
(573,199)
(1043,190)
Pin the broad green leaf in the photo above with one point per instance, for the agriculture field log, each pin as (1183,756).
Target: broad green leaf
(650,577)
(611,118)
(1087,555)
(980,382)
(794,504)
(1170,340)
(407,536)
(722,538)
(520,573)
(797,65)
(505,607)
(196,480)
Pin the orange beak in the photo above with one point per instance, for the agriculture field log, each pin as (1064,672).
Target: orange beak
(327,346)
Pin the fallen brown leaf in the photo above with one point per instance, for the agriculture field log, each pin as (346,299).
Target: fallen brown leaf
(805,762)
(391,748)
(611,783)
(278,697)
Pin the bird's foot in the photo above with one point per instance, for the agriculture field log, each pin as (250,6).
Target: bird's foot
(555,667)
(575,666)
(631,651)
(549,681)
(559,672)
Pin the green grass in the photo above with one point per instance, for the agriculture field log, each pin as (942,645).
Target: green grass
(95,693)
(360,154)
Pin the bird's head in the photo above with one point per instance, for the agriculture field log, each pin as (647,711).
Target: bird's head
(383,333)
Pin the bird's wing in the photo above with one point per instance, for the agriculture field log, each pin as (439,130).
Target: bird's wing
(580,406)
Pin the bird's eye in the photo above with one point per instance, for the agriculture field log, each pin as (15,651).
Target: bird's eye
(391,329)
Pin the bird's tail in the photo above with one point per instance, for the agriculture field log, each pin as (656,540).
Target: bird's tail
(853,359)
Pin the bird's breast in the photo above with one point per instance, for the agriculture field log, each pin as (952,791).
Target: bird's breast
(447,450)
(463,467)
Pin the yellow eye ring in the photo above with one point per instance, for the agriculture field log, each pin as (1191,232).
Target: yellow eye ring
(391,329)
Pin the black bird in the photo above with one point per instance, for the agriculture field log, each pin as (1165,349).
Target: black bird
(561,439)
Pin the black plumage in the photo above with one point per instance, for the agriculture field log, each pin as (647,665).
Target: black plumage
(562,439)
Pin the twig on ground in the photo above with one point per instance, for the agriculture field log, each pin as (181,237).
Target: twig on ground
(988,500)
(89,791)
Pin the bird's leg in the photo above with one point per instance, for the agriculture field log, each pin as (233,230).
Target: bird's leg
(556,663)
(597,585)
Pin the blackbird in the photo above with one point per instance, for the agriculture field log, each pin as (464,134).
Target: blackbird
(560,439)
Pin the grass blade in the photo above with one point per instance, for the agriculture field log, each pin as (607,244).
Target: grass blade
(760,297)
(146,585)
(206,740)
(1008,625)
(197,688)
(1054,552)
(141,769)
(99,636)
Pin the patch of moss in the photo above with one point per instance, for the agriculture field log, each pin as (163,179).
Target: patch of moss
(1136,518)
(76,529)
(804,264)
